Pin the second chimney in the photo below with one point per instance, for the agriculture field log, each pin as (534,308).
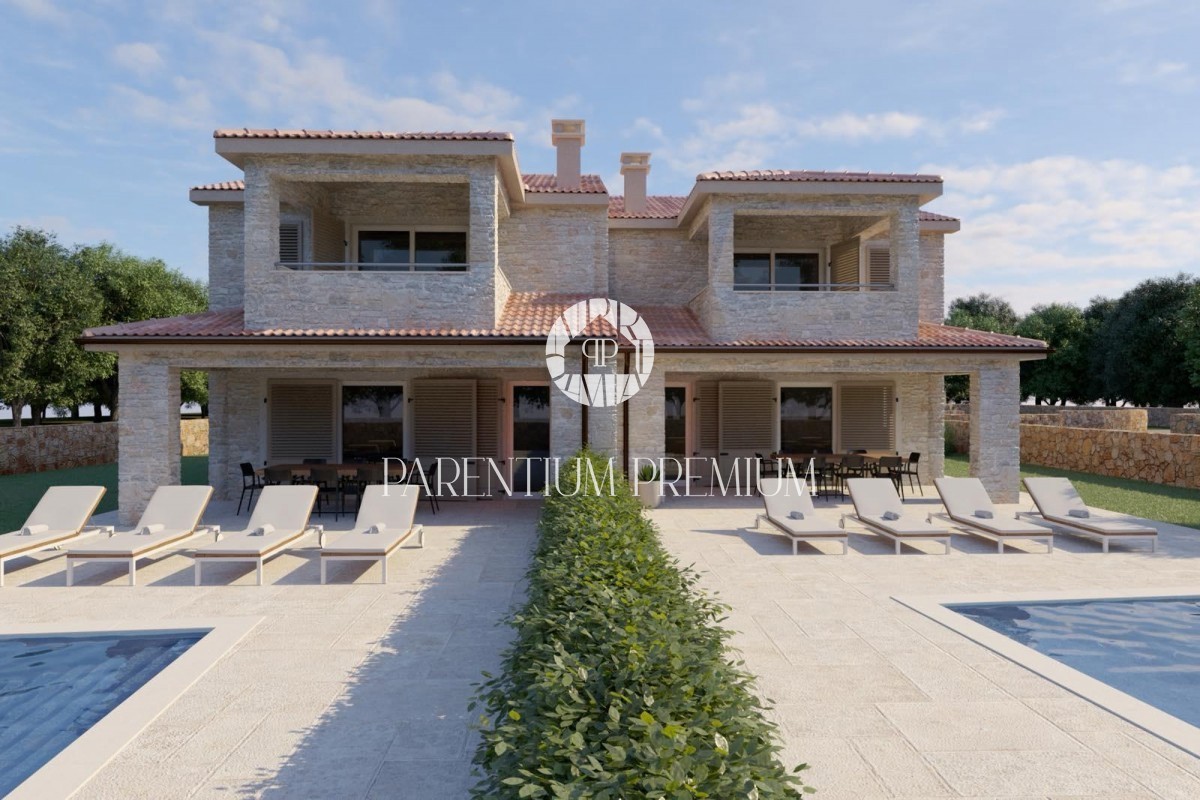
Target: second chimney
(567,136)
(635,167)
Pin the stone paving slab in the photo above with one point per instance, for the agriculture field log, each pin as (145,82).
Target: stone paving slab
(885,703)
(348,690)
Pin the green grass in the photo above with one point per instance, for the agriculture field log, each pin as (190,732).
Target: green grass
(1141,499)
(20,493)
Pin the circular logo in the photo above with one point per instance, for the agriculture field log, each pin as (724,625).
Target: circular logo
(607,328)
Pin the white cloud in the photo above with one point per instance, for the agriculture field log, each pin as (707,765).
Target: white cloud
(1173,75)
(69,232)
(43,10)
(138,57)
(888,125)
(1065,228)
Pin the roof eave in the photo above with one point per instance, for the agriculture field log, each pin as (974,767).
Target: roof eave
(924,191)
(207,197)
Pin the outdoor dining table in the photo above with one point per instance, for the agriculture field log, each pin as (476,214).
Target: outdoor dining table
(290,472)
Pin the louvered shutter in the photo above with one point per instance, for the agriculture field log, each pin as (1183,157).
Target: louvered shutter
(747,417)
(444,424)
(879,268)
(843,268)
(301,422)
(710,423)
(291,242)
(487,431)
(867,417)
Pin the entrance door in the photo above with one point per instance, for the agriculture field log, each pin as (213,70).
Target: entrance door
(675,444)
(530,436)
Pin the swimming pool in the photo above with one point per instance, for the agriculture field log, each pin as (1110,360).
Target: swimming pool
(1147,648)
(53,688)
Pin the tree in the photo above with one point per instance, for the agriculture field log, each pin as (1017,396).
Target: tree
(1190,333)
(135,289)
(49,300)
(983,312)
(1095,318)
(1063,376)
(1141,344)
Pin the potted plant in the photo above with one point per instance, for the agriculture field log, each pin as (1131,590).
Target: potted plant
(649,489)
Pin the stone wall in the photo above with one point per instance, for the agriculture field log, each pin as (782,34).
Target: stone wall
(556,249)
(655,267)
(38,448)
(226,270)
(1171,459)
(933,277)
(1156,416)
(1185,423)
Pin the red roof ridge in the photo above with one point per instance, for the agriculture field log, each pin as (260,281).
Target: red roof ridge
(307,133)
(548,182)
(817,176)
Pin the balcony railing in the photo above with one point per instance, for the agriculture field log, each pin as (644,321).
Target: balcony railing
(355,266)
(814,287)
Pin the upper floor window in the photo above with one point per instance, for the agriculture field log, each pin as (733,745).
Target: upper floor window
(408,249)
(777,271)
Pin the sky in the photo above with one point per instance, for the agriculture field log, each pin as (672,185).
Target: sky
(1066,131)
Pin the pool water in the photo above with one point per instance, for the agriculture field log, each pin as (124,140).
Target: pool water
(1149,649)
(53,688)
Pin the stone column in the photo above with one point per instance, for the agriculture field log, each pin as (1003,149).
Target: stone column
(218,425)
(647,420)
(996,429)
(566,425)
(261,241)
(148,451)
(933,463)
(604,428)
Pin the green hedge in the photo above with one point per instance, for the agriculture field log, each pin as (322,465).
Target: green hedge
(619,683)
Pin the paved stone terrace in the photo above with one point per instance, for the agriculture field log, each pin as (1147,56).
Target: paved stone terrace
(884,703)
(342,691)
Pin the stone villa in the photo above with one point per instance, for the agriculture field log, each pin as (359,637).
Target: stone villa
(377,294)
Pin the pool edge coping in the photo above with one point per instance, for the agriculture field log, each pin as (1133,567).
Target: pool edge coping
(72,767)
(1139,713)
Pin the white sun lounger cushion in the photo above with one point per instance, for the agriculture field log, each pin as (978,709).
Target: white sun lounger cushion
(784,498)
(171,516)
(382,524)
(282,512)
(1058,500)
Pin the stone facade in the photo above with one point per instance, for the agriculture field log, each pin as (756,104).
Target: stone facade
(996,429)
(933,277)
(148,429)
(193,436)
(226,261)
(655,267)
(548,249)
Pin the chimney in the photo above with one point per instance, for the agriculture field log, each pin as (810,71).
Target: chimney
(567,135)
(635,167)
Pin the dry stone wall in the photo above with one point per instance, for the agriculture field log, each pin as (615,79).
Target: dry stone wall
(38,448)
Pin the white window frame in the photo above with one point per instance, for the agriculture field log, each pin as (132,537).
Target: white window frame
(822,254)
(406,446)
(412,230)
(832,386)
(506,434)
(689,414)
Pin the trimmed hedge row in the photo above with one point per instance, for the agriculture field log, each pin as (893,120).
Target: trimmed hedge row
(619,683)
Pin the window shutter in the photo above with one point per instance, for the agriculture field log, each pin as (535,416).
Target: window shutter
(868,417)
(879,268)
(487,424)
(301,422)
(291,242)
(747,416)
(843,266)
(444,412)
(710,427)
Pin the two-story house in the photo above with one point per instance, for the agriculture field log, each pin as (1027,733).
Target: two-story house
(390,294)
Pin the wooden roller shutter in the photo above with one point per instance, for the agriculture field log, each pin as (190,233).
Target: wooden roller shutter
(867,417)
(747,416)
(487,418)
(444,418)
(710,423)
(843,267)
(879,268)
(301,422)
(291,242)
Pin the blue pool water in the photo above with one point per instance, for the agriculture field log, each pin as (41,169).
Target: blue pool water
(53,688)
(1149,649)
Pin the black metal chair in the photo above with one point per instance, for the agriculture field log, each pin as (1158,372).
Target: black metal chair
(892,468)
(251,482)
(431,480)
(853,465)
(910,469)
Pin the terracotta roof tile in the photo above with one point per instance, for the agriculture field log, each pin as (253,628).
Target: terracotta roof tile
(929,216)
(541,182)
(810,176)
(529,315)
(657,207)
(303,133)
(223,186)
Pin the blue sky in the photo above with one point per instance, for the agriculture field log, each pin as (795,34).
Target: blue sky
(1066,131)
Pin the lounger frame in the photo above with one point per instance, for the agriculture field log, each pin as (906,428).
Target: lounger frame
(842,538)
(55,544)
(1073,529)
(381,557)
(74,559)
(941,537)
(199,556)
(971,528)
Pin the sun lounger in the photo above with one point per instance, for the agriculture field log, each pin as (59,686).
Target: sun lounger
(279,521)
(385,521)
(881,511)
(968,505)
(1058,503)
(785,497)
(60,516)
(171,518)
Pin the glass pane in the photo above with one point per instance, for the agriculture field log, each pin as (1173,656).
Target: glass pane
(437,250)
(372,422)
(530,436)
(806,420)
(751,270)
(675,444)
(383,247)
(797,268)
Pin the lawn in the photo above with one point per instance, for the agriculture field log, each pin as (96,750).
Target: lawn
(20,493)
(1139,498)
